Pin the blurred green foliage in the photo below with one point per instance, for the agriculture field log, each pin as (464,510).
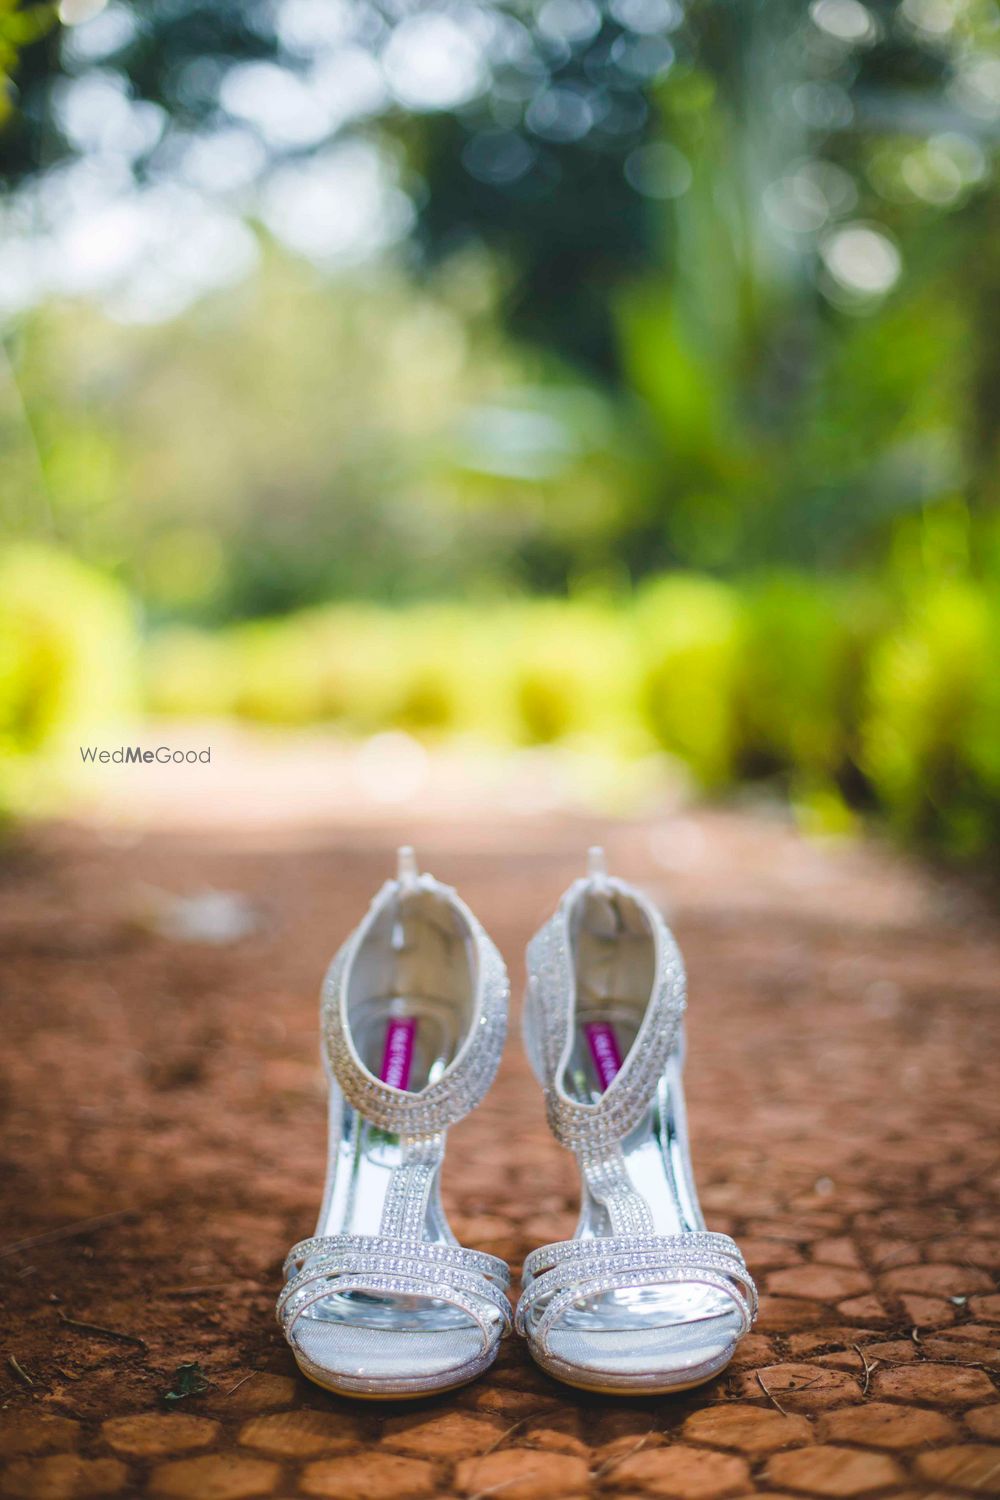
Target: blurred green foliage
(68,667)
(613,371)
(845,697)
(20,25)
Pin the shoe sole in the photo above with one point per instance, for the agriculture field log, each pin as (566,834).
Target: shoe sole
(398,1394)
(633,1388)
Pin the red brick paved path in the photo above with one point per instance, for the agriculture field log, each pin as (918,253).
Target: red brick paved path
(844,1102)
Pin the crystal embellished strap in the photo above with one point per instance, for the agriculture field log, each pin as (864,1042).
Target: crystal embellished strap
(466,1079)
(373,1282)
(490,1266)
(560,1275)
(628,1280)
(608,1182)
(330,1265)
(405,1207)
(600,1247)
(549,1017)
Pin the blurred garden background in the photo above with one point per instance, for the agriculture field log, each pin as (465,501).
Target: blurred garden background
(615,375)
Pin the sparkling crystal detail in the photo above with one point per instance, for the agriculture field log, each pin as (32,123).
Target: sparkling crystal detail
(398,1260)
(557,1276)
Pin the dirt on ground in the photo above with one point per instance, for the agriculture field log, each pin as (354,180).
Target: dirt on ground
(163,1146)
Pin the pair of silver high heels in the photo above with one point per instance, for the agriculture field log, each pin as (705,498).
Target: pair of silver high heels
(383,1301)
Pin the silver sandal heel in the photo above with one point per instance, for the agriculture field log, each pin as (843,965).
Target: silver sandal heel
(642,1298)
(382,1301)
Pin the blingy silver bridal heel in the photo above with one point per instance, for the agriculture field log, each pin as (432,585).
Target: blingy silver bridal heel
(642,1298)
(383,1301)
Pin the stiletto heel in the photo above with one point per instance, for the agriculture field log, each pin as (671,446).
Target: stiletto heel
(382,1301)
(642,1298)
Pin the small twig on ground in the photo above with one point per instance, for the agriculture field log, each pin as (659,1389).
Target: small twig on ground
(505,1484)
(240,1382)
(619,1458)
(868,1367)
(99,1331)
(19,1370)
(770,1394)
(968,1364)
(505,1435)
(67,1232)
(893,1258)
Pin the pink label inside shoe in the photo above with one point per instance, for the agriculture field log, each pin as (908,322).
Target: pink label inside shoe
(604,1050)
(397,1054)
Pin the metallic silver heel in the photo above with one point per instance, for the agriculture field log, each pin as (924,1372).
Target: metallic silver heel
(642,1298)
(382,1301)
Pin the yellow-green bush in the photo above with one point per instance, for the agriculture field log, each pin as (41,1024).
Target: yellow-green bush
(67,666)
(688,638)
(521,672)
(568,670)
(190,674)
(931,731)
(803,649)
(889,696)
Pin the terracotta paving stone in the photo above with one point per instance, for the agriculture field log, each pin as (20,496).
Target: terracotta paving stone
(968,1352)
(262,1392)
(557,1433)
(972,1467)
(64,1477)
(523,1474)
(976,1333)
(838,1251)
(29,1433)
(984,1421)
(849,1150)
(508,1402)
(767,1255)
(850,1359)
(865,1309)
(153,1435)
(442,1435)
(747,1429)
(606,1456)
(881,1424)
(893,1351)
(934,1384)
(966,1250)
(801,1387)
(300,1434)
(755,1349)
(884,1254)
(378,1476)
(822,1283)
(681,1472)
(818,1341)
(927,1312)
(214,1476)
(936,1280)
(781,1314)
(833,1471)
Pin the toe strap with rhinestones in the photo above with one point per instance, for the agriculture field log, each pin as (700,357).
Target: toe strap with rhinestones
(326,1266)
(570,1271)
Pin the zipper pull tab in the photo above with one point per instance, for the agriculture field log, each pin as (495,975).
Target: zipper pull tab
(407,870)
(597,866)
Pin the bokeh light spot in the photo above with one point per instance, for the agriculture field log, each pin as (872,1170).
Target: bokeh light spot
(658,170)
(862,260)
